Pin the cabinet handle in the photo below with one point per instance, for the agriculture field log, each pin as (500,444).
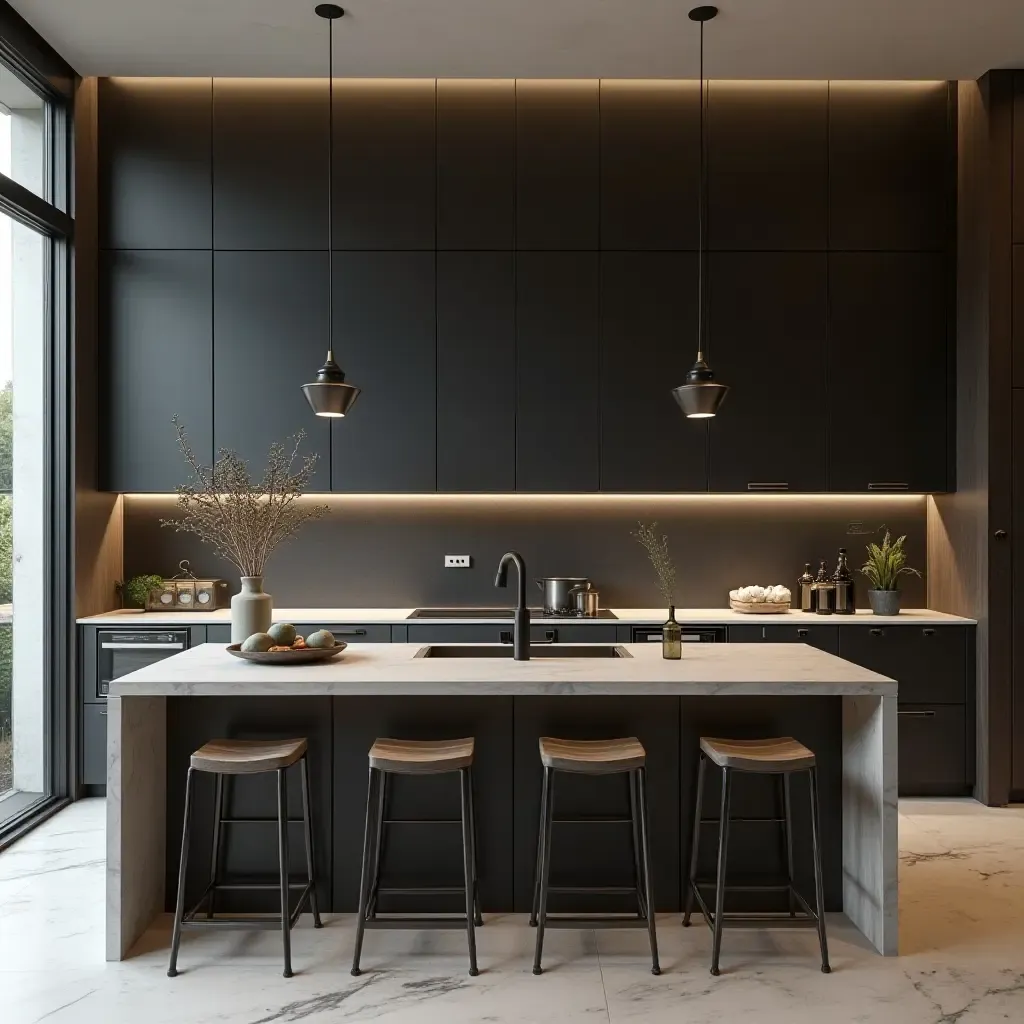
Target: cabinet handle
(348,632)
(104,713)
(877,632)
(550,637)
(777,486)
(801,632)
(1000,535)
(889,487)
(915,714)
(928,632)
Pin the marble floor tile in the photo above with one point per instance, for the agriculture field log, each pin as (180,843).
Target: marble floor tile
(961,953)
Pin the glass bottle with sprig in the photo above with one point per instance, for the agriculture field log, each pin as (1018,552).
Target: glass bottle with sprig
(665,570)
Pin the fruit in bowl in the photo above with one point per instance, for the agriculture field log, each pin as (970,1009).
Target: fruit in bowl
(282,633)
(321,638)
(257,643)
(777,594)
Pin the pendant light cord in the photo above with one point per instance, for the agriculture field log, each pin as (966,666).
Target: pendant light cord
(330,188)
(702,215)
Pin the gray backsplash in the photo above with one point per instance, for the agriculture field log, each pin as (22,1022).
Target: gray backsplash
(372,551)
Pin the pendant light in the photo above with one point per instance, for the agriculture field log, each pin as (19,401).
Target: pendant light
(329,395)
(701,395)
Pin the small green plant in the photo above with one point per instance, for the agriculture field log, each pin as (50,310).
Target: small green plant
(886,564)
(138,589)
(657,552)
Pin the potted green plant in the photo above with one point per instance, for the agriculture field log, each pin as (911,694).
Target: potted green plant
(138,589)
(884,567)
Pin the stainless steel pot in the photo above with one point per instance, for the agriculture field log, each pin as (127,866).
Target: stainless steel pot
(588,602)
(559,592)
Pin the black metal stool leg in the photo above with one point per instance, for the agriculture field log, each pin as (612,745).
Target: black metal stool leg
(723,854)
(819,894)
(545,868)
(282,853)
(308,828)
(469,874)
(478,913)
(378,846)
(634,816)
(218,814)
(694,842)
(364,883)
(645,840)
(787,838)
(179,905)
(535,906)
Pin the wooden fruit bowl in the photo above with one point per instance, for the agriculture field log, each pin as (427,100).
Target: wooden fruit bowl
(293,657)
(758,607)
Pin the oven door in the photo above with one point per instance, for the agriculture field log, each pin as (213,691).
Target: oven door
(119,653)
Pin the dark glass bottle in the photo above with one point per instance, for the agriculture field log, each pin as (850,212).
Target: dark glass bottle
(824,591)
(672,636)
(843,580)
(805,590)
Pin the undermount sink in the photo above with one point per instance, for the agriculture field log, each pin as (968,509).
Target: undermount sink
(536,651)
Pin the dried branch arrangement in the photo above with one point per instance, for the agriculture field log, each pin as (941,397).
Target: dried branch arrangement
(241,519)
(657,551)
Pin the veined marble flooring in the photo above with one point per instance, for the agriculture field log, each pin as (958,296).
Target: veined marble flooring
(961,962)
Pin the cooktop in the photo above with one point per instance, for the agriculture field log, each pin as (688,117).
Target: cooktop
(497,613)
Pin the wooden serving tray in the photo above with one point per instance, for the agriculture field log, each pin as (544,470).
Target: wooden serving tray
(298,657)
(757,608)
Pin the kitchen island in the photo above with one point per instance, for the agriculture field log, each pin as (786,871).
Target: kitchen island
(845,713)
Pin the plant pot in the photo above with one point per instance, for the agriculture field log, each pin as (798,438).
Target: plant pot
(252,611)
(885,602)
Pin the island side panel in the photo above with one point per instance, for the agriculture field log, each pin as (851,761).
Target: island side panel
(870,819)
(136,833)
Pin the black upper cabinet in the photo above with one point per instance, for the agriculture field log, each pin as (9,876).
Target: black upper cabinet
(648,340)
(557,371)
(269,164)
(476,372)
(270,335)
(891,165)
(887,407)
(384,339)
(650,167)
(557,161)
(768,165)
(767,342)
(155,319)
(384,164)
(476,131)
(154,163)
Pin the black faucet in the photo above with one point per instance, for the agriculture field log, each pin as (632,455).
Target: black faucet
(521,635)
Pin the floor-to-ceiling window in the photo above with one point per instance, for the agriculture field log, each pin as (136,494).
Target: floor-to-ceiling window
(35,253)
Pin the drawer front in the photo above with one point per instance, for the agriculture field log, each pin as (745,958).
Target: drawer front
(932,750)
(351,633)
(491,633)
(929,663)
(94,745)
(824,638)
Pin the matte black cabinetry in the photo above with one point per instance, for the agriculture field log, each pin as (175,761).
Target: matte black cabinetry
(824,638)
(94,744)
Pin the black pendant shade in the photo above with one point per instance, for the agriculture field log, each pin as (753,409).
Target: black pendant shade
(329,395)
(700,396)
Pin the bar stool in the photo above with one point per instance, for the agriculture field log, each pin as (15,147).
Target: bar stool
(416,757)
(781,757)
(247,757)
(595,757)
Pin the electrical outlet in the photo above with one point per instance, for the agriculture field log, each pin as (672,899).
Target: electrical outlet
(458,561)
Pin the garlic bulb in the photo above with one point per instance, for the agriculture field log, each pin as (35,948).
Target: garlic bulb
(776,594)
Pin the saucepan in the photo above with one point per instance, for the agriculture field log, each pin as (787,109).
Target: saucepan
(560,591)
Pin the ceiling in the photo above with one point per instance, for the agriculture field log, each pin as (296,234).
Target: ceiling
(779,39)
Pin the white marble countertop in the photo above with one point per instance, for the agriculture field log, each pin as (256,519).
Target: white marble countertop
(626,616)
(393,670)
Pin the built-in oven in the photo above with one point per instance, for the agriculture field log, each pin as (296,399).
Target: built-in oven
(119,652)
(691,634)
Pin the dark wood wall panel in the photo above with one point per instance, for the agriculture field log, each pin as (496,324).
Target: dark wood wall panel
(768,165)
(269,164)
(887,370)
(890,145)
(1017,315)
(768,317)
(650,167)
(1017,158)
(154,164)
(155,316)
(557,161)
(269,329)
(384,164)
(476,134)
(648,339)
(476,371)
(1017,650)
(384,338)
(557,371)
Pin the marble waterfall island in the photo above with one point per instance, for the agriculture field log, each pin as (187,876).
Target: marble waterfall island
(845,713)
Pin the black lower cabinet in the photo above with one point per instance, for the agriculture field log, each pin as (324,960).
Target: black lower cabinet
(94,745)
(498,632)
(349,632)
(825,638)
(933,750)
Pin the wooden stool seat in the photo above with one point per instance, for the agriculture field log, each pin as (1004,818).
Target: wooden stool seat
(245,757)
(421,757)
(592,757)
(783,754)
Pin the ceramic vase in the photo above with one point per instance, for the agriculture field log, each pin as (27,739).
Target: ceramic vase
(252,610)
